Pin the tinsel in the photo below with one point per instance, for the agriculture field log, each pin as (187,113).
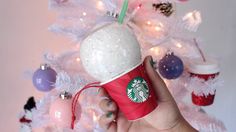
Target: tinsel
(77,19)
(25,126)
(201,120)
(70,84)
(202,87)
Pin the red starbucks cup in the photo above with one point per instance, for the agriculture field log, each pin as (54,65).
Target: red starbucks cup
(204,70)
(133,92)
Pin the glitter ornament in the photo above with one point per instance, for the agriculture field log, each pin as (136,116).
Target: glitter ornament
(44,78)
(60,110)
(205,70)
(112,55)
(110,51)
(170,66)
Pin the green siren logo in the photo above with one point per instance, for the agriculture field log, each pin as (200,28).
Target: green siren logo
(137,90)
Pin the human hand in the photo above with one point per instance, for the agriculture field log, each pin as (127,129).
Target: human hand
(165,118)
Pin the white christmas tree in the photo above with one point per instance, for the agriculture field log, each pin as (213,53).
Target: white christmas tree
(160,33)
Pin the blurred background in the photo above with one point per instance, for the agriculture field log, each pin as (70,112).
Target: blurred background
(24,38)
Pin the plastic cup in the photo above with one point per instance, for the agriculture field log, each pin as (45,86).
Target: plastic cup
(204,70)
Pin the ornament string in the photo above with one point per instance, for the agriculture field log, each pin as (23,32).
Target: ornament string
(199,49)
(123,11)
(76,97)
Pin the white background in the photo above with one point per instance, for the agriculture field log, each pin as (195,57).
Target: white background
(24,38)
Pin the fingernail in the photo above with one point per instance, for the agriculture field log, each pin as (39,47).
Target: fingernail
(109,103)
(153,63)
(109,114)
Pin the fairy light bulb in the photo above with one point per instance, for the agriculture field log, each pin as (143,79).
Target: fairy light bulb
(100,5)
(84,13)
(148,23)
(139,7)
(95,118)
(178,45)
(155,50)
(157,28)
(78,59)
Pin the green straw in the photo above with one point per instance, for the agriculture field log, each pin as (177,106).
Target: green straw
(123,11)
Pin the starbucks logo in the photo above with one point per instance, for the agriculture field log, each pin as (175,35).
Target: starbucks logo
(138,90)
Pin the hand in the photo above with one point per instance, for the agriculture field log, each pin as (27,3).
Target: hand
(165,118)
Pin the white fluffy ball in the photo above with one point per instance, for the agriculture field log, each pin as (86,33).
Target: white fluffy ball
(110,51)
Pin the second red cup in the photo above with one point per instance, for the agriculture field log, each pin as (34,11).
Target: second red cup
(203,70)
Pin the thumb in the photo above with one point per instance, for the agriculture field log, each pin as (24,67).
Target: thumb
(158,84)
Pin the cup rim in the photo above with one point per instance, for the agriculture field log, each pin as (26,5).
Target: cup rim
(121,74)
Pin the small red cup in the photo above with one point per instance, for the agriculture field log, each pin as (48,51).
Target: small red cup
(133,93)
(204,70)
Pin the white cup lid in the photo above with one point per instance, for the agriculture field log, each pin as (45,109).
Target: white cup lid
(210,66)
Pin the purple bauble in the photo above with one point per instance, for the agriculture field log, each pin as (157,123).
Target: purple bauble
(171,66)
(44,78)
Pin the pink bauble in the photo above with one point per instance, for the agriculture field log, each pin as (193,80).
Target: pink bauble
(60,112)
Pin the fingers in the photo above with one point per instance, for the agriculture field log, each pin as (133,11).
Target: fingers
(106,121)
(103,92)
(160,88)
(108,105)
